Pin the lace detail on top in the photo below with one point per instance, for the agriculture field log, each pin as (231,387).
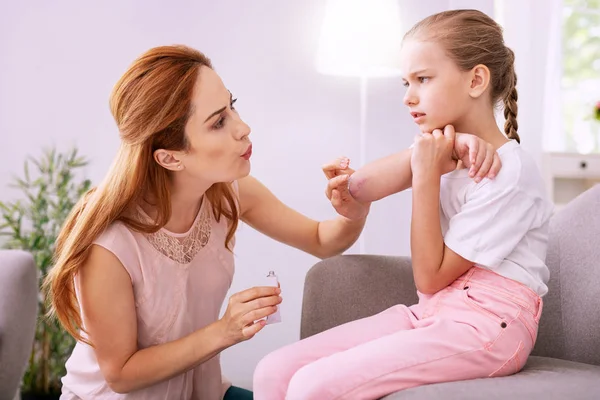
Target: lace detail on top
(183,249)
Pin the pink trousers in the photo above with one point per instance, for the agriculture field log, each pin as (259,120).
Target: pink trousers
(482,325)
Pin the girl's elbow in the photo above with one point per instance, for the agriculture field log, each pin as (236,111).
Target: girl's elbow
(323,254)
(355,187)
(427,286)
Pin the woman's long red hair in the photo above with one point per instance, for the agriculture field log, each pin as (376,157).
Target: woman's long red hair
(151,104)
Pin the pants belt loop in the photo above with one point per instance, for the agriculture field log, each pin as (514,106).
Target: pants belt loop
(540,308)
(467,278)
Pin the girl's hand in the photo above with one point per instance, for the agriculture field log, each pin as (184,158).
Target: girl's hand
(432,153)
(477,155)
(338,172)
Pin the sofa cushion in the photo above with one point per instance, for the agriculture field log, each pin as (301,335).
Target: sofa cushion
(349,287)
(542,378)
(570,320)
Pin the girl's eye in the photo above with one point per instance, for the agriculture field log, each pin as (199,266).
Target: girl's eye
(405,84)
(233,104)
(423,79)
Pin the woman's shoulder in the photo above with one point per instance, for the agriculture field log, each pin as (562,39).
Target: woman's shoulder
(124,244)
(120,239)
(116,231)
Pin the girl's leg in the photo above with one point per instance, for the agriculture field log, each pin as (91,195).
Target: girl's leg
(273,373)
(456,344)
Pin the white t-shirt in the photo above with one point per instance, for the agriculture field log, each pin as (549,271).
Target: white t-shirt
(500,224)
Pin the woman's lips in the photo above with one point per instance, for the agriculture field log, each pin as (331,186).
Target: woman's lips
(248,153)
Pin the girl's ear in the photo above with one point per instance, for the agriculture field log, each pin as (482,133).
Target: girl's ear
(479,80)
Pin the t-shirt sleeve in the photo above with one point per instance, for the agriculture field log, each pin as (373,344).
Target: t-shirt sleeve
(491,223)
(119,240)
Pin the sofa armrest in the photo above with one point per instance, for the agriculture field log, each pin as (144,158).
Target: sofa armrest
(18,315)
(348,287)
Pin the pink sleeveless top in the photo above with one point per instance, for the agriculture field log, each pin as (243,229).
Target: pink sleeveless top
(179,284)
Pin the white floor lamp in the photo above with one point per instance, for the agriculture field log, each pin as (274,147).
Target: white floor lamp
(362,39)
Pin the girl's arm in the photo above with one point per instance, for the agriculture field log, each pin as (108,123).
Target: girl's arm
(435,265)
(381,178)
(393,174)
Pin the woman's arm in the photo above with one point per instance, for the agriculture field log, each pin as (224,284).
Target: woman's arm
(267,214)
(109,315)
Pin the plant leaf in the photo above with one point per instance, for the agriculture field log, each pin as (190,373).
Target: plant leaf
(32,223)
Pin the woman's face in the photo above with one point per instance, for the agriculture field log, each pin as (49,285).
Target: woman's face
(219,146)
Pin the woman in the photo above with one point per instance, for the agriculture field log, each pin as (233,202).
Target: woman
(145,260)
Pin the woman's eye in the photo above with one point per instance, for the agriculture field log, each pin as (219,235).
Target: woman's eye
(423,79)
(219,123)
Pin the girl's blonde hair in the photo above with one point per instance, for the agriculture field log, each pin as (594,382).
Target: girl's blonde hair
(151,104)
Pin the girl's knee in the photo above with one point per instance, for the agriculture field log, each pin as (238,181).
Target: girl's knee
(274,369)
(307,384)
(266,367)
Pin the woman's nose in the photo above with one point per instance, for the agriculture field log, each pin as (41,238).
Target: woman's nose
(242,130)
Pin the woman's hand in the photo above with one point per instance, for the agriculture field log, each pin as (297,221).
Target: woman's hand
(338,173)
(244,308)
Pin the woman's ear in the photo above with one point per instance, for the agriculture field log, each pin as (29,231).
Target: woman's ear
(168,159)
(479,80)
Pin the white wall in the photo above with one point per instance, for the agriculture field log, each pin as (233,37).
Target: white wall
(59,60)
(526,30)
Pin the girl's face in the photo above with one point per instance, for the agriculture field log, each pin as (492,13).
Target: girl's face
(437,92)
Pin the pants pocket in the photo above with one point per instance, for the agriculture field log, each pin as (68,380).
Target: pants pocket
(514,364)
(478,303)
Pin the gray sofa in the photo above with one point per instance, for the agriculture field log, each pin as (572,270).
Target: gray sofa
(565,363)
(18,313)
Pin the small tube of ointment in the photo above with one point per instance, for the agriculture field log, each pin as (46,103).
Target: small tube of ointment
(273,281)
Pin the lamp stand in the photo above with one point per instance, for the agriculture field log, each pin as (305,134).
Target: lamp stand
(363,143)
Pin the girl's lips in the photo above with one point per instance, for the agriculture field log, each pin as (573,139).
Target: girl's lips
(417,116)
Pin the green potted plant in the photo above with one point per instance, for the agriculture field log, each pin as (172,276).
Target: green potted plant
(596,127)
(32,223)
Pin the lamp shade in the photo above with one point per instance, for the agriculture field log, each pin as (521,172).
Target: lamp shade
(360,38)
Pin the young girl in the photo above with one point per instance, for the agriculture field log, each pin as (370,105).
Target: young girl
(478,248)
